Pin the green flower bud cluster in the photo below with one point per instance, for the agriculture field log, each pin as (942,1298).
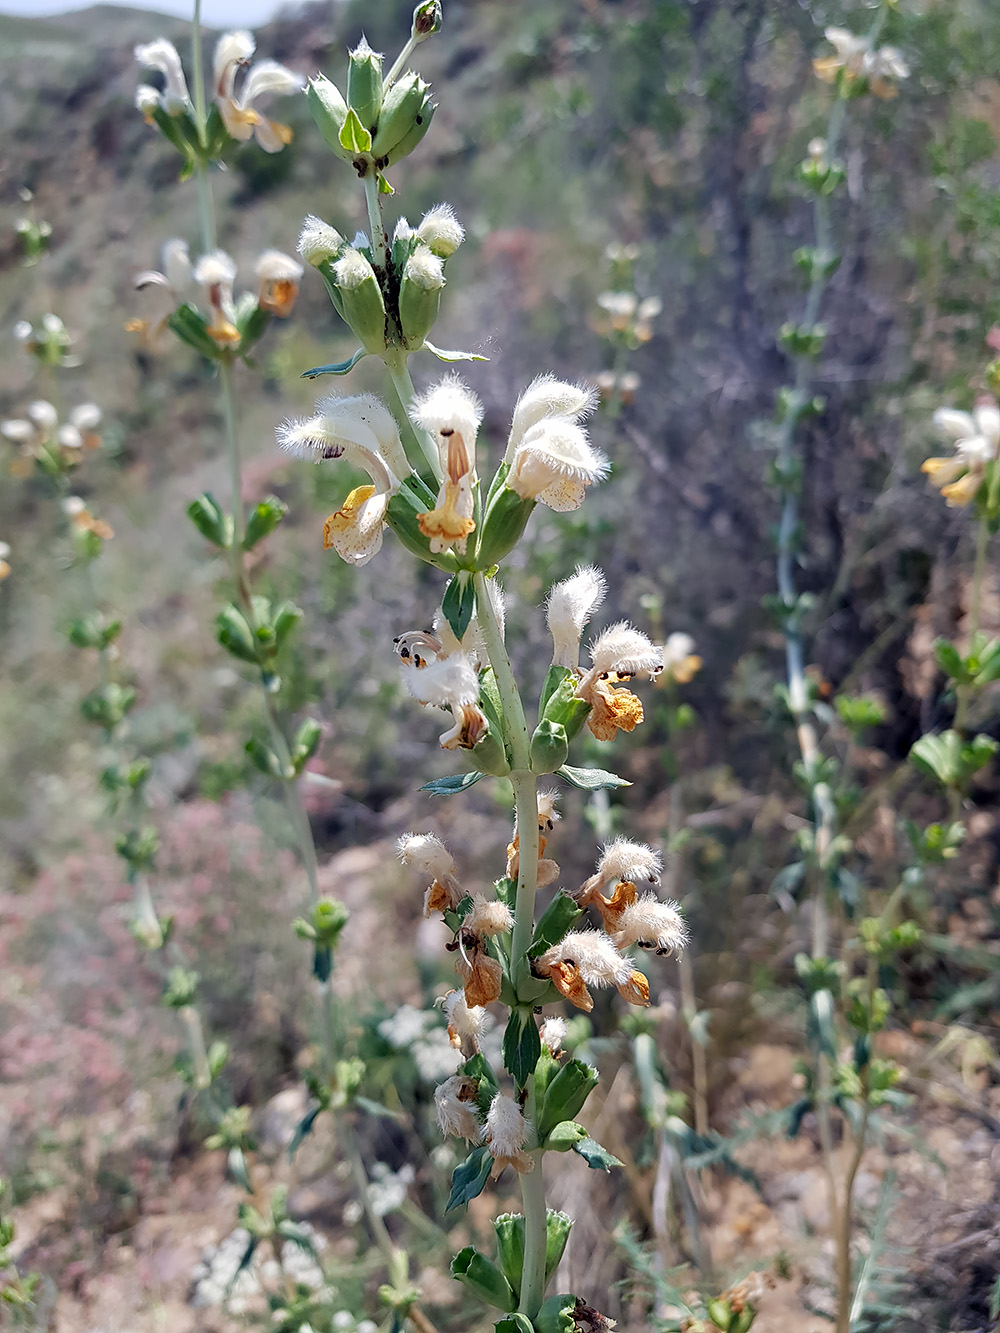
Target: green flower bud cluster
(380,122)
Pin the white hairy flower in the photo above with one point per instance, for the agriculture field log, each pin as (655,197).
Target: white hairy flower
(456,1109)
(266,78)
(976,436)
(426,853)
(359,428)
(162,55)
(449,682)
(570,605)
(278,275)
(507,1132)
(43,414)
(554,462)
(553,1034)
(465,1021)
(545,397)
(17,430)
(352,269)
(85,416)
(547,812)
(73,506)
(489,916)
(625,651)
(441,230)
(318,241)
(594,956)
(447,407)
(623,859)
(425,269)
(651,924)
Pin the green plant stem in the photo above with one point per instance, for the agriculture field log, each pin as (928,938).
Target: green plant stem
(196,1044)
(526,814)
(395,363)
(395,1259)
(843,1225)
(400,63)
(380,249)
(964,693)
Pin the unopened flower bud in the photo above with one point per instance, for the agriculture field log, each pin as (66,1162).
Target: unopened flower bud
(441,230)
(364,85)
(361,298)
(318,241)
(420,295)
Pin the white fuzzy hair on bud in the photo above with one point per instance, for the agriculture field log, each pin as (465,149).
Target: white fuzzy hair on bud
(232,48)
(215,267)
(424,269)
(275,266)
(318,241)
(351,270)
(147,99)
(454,1100)
(69,437)
(593,954)
(553,1034)
(447,407)
(651,924)
(359,427)
(489,916)
(162,55)
(570,605)
(441,230)
(467,1020)
(622,859)
(506,1128)
(451,681)
(426,853)
(625,650)
(545,397)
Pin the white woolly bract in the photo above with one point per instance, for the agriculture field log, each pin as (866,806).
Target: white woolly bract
(318,240)
(506,1128)
(626,650)
(489,916)
(456,1118)
(351,270)
(43,414)
(426,853)
(449,406)
(651,922)
(553,1033)
(570,605)
(632,861)
(215,267)
(441,230)
(467,1020)
(275,266)
(594,956)
(425,269)
(450,680)
(548,397)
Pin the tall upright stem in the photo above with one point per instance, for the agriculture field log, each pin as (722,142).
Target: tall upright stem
(399,374)
(526,813)
(380,249)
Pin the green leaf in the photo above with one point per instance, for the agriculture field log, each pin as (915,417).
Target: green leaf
(235,636)
(191,327)
(306,743)
(950,660)
(483,1278)
(468,1180)
(596,1157)
(262,520)
(557,1228)
(459,603)
(514,1323)
(565,1095)
(443,355)
(452,785)
(336,367)
(211,520)
(592,779)
(509,1228)
(237,1164)
(266,760)
(354,137)
(554,923)
(479,1069)
(521,1045)
(567,1134)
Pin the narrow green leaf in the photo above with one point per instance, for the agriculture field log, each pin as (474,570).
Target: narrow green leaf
(483,1278)
(555,923)
(335,367)
(443,355)
(354,137)
(452,785)
(469,1178)
(521,1045)
(237,1164)
(567,1134)
(262,520)
(592,779)
(596,1157)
